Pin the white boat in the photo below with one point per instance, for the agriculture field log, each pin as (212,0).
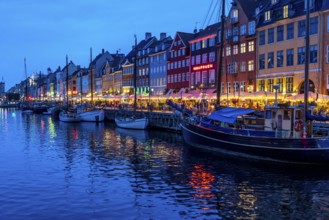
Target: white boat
(88,113)
(128,121)
(132,122)
(67,116)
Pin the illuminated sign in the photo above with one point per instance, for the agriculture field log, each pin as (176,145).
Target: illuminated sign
(203,67)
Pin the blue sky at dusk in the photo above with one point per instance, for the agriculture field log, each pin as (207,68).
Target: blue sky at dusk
(44,31)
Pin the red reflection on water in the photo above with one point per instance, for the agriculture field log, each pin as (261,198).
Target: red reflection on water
(75,134)
(201,181)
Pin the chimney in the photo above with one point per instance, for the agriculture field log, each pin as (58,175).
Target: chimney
(148,35)
(103,51)
(162,36)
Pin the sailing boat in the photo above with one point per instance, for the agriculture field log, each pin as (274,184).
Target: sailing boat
(279,135)
(25,106)
(133,122)
(67,115)
(88,112)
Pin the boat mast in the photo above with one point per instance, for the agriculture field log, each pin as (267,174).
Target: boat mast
(135,70)
(25,78)
(307,53)
(67,82)
(91,78)
(220,55)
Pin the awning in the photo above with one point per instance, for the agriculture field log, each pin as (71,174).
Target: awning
(229,114)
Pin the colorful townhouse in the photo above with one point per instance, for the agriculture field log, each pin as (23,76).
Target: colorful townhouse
(158,65)
(178,65)
(239,50)
(281,47)
(203,63)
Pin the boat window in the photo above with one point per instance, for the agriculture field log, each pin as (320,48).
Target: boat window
(286,115)
(268,114)
(298,114)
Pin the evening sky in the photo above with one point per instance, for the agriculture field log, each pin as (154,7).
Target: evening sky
(45,31)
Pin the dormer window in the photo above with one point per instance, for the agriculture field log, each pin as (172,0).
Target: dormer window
(234,16)
(285,11)
(267,16)
(311,4)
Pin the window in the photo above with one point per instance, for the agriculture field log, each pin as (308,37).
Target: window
(212,57)
(234,15)
(197,59)
(270,83)
(242,86)
(212,42)
(270,35)
(250,65)
(290,31)
(301,55)
(301,28)
(243,66)
(228,85)
(279,81)
(274,1)
(198,45)
(235,49)
(267,16)
(204,58)
(192,46)
(261,85)
(243,29)
(251,27)
(262,61)
(243,48)
(228,51)
(279,58)
(290,57)
(289,84)
(228,33)
(236,87)
(311,4)
(328,23)
(270,60)
(212,76)
(193,60)
(262,38)
(313,53)
(204,43)
(314,25)
(285,11)
(251,47)
(279,33)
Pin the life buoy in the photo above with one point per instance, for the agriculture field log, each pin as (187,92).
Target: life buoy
(298,125)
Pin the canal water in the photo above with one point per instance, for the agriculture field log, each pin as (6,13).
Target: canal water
(54,170)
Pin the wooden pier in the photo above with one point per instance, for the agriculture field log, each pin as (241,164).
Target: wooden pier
(164,120)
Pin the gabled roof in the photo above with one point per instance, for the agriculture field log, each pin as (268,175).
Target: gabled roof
(186,37)
(209,30)
(249,7)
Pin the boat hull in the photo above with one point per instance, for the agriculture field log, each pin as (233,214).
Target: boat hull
(68,117)
(132,123)
(289,150)
(97,115)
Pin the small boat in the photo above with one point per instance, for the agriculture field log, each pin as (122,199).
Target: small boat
(69,116)
(132,122)
(91,114)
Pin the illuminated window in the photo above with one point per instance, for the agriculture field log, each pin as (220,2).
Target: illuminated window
(289,84)
(243,48)
(228,51)
(267,15)
(251,65)
(204,43)
(285,11)
(251,46)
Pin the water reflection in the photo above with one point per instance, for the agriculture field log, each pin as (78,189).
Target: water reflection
(97,171)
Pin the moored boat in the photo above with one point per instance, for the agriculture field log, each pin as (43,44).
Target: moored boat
(69,116)
(91,114)
(132,122)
